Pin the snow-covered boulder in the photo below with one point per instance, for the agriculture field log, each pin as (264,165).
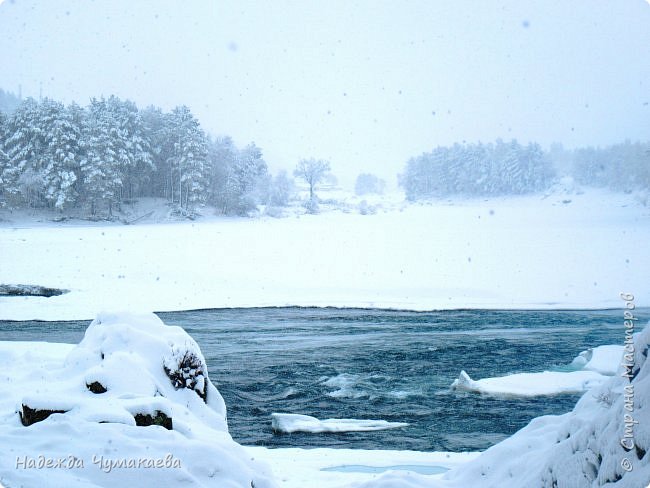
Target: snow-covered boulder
(131,404)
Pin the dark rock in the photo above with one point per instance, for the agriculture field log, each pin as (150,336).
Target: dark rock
(96,387)
(159,418)
(30,291)
(29,416)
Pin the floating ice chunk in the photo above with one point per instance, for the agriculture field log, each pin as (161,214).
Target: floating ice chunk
(289,422)
(531,384)
(590,369)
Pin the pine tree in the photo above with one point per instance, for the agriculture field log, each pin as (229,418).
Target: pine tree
(131,147)
(61,136)
(222,154)
(22,173)
(188,158)
(116,153)
(41,154)
(511,168)
(157,133)
(100,167)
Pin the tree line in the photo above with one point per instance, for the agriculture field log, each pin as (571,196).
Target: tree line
(110,152)
(477,169)
(503,168)
(621,167)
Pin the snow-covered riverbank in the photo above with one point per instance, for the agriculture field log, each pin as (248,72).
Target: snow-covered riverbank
(555,251)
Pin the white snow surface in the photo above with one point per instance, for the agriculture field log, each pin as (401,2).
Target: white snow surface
(595,365)
(302,468)
(580,449)
(602,359)
(127,354)
(533,251)
(290,422)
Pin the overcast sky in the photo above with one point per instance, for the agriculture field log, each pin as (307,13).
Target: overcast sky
(365,84)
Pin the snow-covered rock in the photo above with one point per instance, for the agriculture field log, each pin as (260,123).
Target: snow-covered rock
(134,406)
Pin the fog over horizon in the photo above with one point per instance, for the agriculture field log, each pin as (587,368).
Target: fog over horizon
(365,85)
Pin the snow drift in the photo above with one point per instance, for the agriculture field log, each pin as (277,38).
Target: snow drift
(130,404)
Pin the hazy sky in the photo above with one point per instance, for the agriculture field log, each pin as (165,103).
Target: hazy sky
(365,84)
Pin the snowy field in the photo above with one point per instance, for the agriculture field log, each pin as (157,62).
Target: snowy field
(563,250)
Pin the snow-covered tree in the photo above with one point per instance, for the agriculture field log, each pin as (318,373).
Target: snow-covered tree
(115,151)
(132,147)
(60,153)
(244,173)
(222,155)
(368,183)
(280,190)
(157,130)
(188,159)
(313,171)
(41,148)
(22,146)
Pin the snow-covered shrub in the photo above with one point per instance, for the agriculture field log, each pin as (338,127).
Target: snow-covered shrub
(280,190)
(187,370)
(368,183)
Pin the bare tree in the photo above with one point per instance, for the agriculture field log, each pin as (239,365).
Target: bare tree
(313,171)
